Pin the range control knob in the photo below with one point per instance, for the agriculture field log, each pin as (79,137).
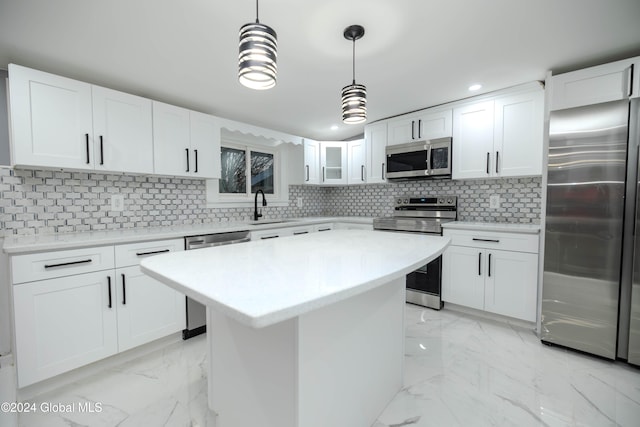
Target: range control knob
(440,201)
(406,201)
(450,201)
(399,202)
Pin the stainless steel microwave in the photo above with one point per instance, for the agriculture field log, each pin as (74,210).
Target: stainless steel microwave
(422,159)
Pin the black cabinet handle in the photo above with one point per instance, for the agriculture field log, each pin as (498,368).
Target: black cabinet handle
(383,171)
(631,71)
(475,239)
(324,229)
(124,290)
(497,160)
(489,265)
(65,264)
(187,150)
(109,287)
(86,139)
(297,233)
(195,152)
(323,174)
(479,263)
(419,130)
(362,173)
(413,135)
(488,162)
(269,237)
(152,252)
(307,166)
(101,151)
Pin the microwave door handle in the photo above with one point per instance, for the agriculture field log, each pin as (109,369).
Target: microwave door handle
(428,169)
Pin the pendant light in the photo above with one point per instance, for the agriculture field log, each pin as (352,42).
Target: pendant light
(354,96)
(257,57)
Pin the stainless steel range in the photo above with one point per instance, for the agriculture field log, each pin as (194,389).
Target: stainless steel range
(418,214)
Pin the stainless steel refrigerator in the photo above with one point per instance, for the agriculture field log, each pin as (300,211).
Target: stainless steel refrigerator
(591,280)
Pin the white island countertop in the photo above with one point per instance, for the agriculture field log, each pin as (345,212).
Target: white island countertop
(264,282)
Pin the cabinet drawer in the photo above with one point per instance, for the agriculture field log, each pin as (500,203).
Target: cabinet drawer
(47,265)
(131,254)
(494,240)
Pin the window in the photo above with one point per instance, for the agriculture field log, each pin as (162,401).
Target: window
(236,173)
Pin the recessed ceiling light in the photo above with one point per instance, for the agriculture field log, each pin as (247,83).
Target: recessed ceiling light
(334,127)
(474,87)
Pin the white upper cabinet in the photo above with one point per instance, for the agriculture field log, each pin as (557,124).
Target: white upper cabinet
(311,161)
(518,134)
(333,163)
(185,143)
(499,137)
(51,121)
(375,137)
(356,156)
(205,145)
(122,132)
(418,127)
(602,83)
(472,140)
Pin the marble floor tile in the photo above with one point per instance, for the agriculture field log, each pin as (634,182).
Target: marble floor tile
(459,371)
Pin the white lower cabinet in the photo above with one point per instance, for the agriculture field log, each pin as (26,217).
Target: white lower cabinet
(64,323)
(494,272)
(67,317)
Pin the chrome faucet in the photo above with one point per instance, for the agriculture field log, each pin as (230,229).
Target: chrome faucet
(257,214)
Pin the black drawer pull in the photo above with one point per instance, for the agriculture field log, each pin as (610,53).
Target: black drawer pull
(124,290)
(324,229)
(489,272)
(269,237)
(65,264)
(300,232)
(195,152)
(152,252)
(486,240)
(86,139)
(479,263)
(187,150)
(109,285)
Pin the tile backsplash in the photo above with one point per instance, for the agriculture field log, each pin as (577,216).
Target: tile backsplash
(44,201)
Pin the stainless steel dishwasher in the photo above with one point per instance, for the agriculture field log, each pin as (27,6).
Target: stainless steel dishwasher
(196,312)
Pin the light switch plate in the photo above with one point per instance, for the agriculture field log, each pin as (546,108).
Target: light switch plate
(117,202)
(494,201)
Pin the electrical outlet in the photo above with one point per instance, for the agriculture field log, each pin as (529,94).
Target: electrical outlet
(117,202)
(299,202)
(494,201)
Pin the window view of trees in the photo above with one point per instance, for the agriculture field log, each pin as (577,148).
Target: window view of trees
(234,171)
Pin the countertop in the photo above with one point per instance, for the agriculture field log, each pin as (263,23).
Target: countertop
(57,241)
(264,282)
(493,226)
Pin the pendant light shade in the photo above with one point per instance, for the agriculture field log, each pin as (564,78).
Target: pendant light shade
(257,67)
(354,96)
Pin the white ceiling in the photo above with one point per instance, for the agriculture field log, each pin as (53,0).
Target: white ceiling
(415,53)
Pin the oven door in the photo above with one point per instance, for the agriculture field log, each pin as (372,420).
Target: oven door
(424,285)
(439,157)
(407,160)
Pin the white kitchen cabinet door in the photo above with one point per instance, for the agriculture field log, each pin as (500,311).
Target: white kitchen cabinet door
(63,323)
(463,276)
(473,129)
(375,137)
(122,132)
(402,130)
(333,163)
(205,146)
(147,309)
(511,284)
(435,125)
(356,157)
(311,162)
(602,83)
(518,135)
(51,121)
(171,140)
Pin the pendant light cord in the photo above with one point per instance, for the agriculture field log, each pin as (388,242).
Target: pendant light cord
(353,57)
(257,20)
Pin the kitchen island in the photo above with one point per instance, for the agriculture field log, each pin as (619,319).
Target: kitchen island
(304,330)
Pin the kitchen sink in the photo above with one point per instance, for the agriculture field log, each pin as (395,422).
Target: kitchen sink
(274,221)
